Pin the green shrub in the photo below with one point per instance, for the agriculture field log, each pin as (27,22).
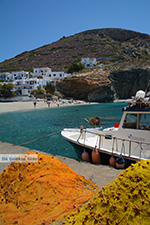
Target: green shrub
(39,91)
(50,88)
(75,67)
(6,91)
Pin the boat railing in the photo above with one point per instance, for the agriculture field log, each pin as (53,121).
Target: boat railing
(115,146)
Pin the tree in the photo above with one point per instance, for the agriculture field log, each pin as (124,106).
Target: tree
(75,67)
(50,88)
(37,92)
(6,91)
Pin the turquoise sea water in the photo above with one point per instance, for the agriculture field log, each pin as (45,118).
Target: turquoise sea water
(23,126)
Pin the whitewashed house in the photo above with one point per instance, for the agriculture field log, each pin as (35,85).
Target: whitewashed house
(89,62)
(40,72)
(56,75)
(19,75)
(46,72)
(5,76)
(25,86)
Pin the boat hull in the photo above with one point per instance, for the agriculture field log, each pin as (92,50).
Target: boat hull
(129,139)
(79,149)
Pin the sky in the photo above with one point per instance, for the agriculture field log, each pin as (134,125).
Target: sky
(28,24)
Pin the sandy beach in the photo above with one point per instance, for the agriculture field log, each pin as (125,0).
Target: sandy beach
(98,174)
(23,106)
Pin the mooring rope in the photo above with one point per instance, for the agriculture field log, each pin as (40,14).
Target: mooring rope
(40,138)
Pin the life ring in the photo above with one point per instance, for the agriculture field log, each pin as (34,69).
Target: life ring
(95,121)
(92,121)
(98,121)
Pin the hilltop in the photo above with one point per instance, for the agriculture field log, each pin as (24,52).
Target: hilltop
(107,45)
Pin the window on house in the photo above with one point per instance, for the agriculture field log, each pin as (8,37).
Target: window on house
(54,75)
(49,75)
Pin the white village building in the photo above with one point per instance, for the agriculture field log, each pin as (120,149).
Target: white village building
(40,72)
(5,76)
(46,72)
(23,85)
(18,75)
(89,62)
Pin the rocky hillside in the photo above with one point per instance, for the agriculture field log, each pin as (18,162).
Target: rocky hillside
(107,45)
(125,54)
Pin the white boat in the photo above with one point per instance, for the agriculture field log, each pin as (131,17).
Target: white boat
(129,139)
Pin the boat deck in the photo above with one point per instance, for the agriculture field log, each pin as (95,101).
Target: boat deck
(134,150)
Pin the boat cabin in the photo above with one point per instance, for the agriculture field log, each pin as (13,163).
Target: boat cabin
(134,118)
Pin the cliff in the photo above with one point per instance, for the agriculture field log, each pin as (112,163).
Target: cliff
(126,83)
(118,85)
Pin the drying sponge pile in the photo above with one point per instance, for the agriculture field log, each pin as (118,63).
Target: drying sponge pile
(42,192)
(126,200)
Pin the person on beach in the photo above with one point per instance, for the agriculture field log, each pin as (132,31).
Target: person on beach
(48,103)
(34,104)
